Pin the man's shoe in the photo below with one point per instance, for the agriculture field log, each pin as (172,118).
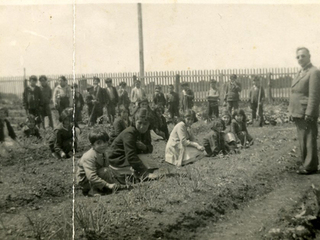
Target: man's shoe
(303,171)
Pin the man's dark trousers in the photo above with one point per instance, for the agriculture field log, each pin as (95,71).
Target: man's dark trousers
(307,137)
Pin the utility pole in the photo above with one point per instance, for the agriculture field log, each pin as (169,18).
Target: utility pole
(141,44)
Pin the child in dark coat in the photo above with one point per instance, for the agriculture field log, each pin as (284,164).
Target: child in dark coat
(30,128)
(173,102)
(32,100)
(78,103)
(123,96)
(214,142)
(90,100)
(187,97)
(46,96)
(123,157)
(158,98)
(161,127)
(61,142)
(257,97)
(239,128)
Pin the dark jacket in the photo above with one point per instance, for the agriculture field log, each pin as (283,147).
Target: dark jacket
(46,94)
(89,103)
(9,128)
(100,95)
(124,151)
(31,132)
(214,143)
(78,101)
(254,94)
(173,99)
(115,98)
(61,140)
(32,98)
(159,99)
(305,89)
(187,100)
(124,99)
(233,91)
(237,127)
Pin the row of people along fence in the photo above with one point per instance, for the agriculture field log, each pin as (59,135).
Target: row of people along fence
(276,81)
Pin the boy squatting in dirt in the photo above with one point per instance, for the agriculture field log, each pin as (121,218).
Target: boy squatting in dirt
(98,172)
(61,142)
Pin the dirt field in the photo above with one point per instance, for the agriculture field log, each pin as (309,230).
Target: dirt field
(252,195)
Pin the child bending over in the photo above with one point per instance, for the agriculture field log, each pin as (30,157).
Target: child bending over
(181,148)
(239,128)
(214,142)
(93,174)
(61,142)
(124,155)
(30,128)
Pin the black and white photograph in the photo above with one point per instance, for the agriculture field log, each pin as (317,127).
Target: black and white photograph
(165,119)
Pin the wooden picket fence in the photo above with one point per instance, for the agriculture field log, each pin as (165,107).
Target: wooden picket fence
(276,81)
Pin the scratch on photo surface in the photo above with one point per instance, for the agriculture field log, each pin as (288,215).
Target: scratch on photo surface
(35,34)
(27,46)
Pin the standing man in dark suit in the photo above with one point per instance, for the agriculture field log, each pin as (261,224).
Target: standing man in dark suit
(304,110)
(112,99)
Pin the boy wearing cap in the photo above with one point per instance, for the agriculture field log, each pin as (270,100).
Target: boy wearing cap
(112,99)
(46,96)
(32,101)
(158,98)
(213,100)
(137,93)
(232,95)
(123,96)
(187,97)
(173,101)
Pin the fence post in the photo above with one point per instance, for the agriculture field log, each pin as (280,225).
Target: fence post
(177,83)
(270,99)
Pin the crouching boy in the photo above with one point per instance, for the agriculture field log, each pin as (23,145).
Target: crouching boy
(214,142)
(62,141)
(94,175)
(130,148)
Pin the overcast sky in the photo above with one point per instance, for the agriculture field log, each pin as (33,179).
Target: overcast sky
(177,36)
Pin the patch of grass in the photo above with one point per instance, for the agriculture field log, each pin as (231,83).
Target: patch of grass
(39,226)
(93,221)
